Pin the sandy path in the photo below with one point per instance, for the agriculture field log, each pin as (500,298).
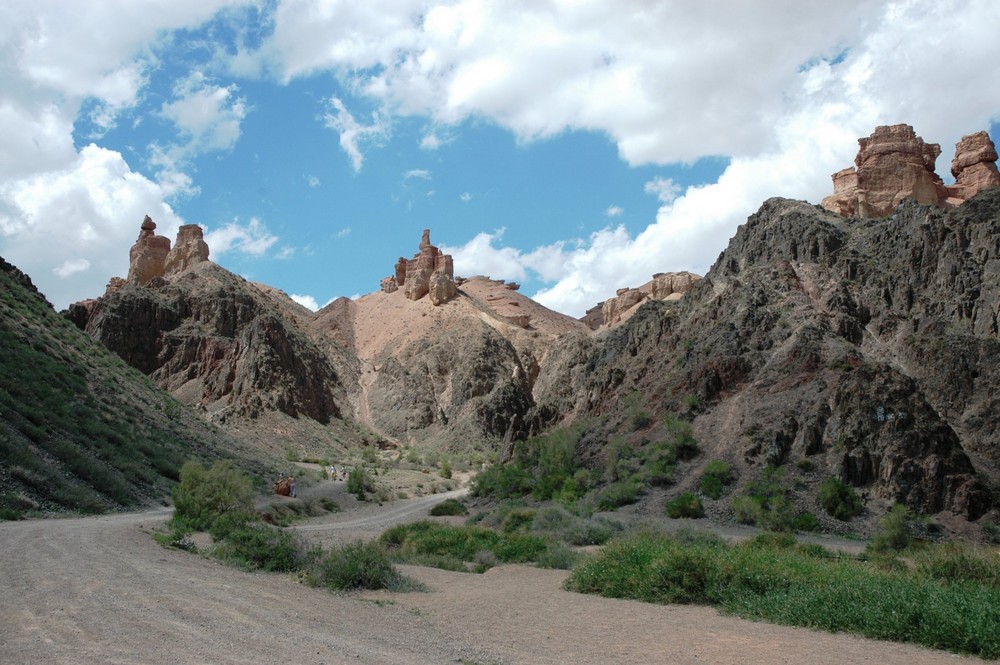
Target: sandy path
(101,590)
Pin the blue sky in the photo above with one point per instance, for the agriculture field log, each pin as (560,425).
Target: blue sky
(574,147)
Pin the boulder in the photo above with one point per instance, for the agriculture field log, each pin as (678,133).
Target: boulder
(668,285)
(441,288)
(388,285)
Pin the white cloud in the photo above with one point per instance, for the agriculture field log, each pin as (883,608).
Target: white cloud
(313,181)
(71,267)
(423,174)
(665,189)
(352,133)
(208,118)
(614,211)
(479,256)
(306,301)
(70,229)
(465,197)
(343,233)
(783,92)
(251,238)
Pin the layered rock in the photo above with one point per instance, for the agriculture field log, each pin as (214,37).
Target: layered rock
(151,259)
(189,249)
(894,164)
(148,256)
(664,286)
(974,166)
(415,275)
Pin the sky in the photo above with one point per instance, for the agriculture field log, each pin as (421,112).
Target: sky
(573,146)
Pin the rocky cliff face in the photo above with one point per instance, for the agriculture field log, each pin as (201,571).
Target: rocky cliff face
(868,348)
(894,164)
(865,349)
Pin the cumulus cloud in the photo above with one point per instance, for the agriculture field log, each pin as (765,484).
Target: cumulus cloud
(423,174)
(250,238)
(70,228)
(785,109)
(614,211)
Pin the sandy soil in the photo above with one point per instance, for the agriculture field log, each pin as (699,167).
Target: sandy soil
(101,590)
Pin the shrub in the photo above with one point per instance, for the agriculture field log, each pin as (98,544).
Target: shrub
(256,546)
(449,507)
(893,532)
(717,474)
(446,469)
(685,505)
(616,495)
(203,495)
(360,482)
(358,565)
(839,499)
(502,481)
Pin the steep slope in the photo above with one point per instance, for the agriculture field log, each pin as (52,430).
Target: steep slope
(456,374)
(867,347)
(226,347)
(79,429)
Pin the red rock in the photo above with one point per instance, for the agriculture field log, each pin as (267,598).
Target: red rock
(417,275)
(892,164)
(148,255)
(974,166)
(189,249)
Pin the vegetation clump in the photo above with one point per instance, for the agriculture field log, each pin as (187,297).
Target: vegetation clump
(449,507)
(839,499)
(765,503)
(685,505)
(716,476)
(948,601)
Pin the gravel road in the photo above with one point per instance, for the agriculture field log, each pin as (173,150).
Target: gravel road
(100,590)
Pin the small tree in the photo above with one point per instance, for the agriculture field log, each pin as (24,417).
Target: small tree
(204,495)
(360,482)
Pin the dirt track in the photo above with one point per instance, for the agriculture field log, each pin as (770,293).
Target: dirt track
(101,590)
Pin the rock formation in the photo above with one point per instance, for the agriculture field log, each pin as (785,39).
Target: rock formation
(895,164)
(974,166)
(663,286)
(148,255)
(189,249)
(415,275)
(151,258)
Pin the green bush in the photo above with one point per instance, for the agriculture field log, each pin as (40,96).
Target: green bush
(685,505)
(358,565)
(360,482)
(893,532)
(502,481)
(575,530)
(616,495)
(449,507)
(203,495)
(839,499)
(765,502)
(257,546)
(716,476)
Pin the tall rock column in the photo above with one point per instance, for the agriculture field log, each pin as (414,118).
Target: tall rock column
(148,255)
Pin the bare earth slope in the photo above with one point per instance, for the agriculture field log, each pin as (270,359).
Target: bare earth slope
(101,590)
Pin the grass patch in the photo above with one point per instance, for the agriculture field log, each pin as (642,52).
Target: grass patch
(802,586)
(415,542)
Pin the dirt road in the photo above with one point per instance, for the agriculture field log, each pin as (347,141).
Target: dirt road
(100,590)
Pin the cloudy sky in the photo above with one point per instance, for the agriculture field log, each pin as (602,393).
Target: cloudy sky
(573,146)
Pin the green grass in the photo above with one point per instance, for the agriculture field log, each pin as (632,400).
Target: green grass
(774,580)
(81,431)
(685,505)
(417,541)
